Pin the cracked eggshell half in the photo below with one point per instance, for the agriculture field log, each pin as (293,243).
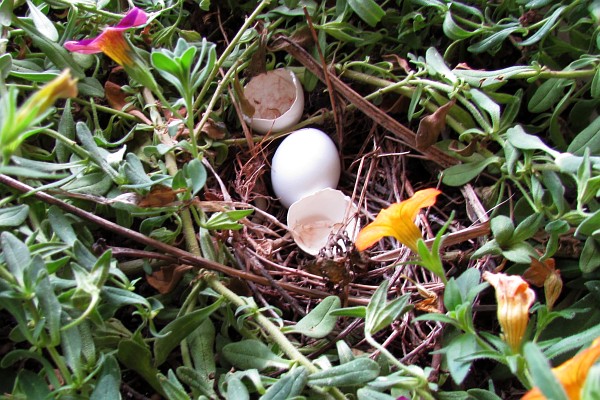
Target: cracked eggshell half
(306,161)
(315,218)
(278,100)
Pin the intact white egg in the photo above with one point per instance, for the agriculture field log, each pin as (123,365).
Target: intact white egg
(306,161)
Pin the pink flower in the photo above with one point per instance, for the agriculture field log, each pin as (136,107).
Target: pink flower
(111,41)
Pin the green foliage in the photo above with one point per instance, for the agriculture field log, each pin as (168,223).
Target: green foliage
(156,149)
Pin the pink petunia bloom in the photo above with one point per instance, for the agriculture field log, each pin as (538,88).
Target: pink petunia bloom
(111,41)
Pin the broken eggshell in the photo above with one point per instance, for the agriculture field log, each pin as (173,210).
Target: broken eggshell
(316,218)
(305,161)
(278,101)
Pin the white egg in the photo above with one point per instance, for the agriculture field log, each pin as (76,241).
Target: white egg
(305,162)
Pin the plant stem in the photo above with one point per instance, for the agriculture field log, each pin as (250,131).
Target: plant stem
(424,394)
(270,328)
(234,42)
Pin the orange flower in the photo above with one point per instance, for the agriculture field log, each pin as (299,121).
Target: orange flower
(398,221)
(514,297)
(572,373)
(544,273)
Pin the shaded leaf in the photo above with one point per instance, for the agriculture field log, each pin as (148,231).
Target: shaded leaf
(253,354)
(356,372)
(319,322)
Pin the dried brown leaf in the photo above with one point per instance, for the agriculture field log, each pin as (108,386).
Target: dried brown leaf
(432,125)
(159,196)
(167,278)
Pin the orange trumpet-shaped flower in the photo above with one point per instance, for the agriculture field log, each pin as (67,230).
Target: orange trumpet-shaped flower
(514,297)
(572,373)
(398,220)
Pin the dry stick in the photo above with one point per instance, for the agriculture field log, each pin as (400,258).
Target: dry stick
(376,114)
(336,111)
(182,256)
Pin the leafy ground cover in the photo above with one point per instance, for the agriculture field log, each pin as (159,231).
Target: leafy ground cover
(143,253)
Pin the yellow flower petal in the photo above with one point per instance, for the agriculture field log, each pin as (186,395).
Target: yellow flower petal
(61,87)
(398,221)
(514,297)
(572,373)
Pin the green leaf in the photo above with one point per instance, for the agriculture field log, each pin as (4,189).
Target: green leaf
(236,390)
(253,354)
(16,255)
(49,306)
(459,346)
(6,64)
(573,342)
(98,155)
(201,343)
(177,330)
(61,225)
(595,89)
(367,10)
(453,30)
(548,94)
(319,322)
(164,63)
(6,12)
(90,87)
(541,374)
(492,42)
(32,385)
(460,174)
(520,253)
(589,260)
(353,312)
(488,105)
(135,173)
(356,372)
(482,394)
(527,228)
(109,381)
(56,53)
(591,389)
(524,141)
(172,387)
(289,385)
(227,219)
(436,62)
(367,393)
(42,23)
(589,138)
(137,357)
(589,225)
(13,216)
(545,29)
(196,173)
(503,229)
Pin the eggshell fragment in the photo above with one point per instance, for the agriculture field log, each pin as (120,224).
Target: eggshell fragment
(305,162)
(278,100)
(316,218)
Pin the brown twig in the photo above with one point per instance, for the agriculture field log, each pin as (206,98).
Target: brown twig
(182,256)
(375,113)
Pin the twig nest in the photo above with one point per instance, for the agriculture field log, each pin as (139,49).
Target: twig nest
(322,216)
(278,101)
(306,161)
